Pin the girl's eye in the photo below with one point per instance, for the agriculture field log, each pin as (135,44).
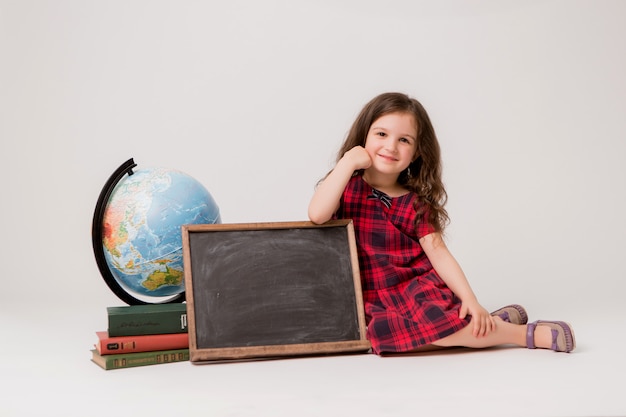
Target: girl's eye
(381,134)
(405,140)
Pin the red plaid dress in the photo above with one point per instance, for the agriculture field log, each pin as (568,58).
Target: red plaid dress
(407,304)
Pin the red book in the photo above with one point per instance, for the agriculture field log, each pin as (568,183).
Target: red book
(142,343)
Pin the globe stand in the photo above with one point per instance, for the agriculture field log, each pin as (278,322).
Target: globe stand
(96,237)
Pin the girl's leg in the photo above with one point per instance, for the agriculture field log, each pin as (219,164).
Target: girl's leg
(504,333)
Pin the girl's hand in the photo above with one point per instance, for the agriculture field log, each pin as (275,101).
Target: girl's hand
(358,158)
(482,321)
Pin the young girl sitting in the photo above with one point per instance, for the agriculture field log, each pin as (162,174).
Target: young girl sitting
(387,179)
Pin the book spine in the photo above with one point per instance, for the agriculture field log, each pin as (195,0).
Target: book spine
(143,323)
(143,343)
(130,360)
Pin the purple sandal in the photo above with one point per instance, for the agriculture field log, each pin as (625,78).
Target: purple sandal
(562,335)
(513,313)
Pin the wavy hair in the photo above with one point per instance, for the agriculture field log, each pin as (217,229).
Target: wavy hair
(423,176)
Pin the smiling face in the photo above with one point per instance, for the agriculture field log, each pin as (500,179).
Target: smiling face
(392,143)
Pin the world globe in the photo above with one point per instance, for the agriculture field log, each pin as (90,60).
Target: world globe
(137,231)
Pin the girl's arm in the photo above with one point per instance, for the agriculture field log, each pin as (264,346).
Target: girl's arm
(326,199)
(450,271)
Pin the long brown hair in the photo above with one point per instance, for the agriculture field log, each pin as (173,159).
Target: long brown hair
(423,176)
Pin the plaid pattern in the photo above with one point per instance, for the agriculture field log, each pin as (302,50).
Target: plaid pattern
(407,305)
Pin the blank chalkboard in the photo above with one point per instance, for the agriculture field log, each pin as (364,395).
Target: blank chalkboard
(260,290)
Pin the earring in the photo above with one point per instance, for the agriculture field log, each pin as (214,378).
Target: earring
(408,172)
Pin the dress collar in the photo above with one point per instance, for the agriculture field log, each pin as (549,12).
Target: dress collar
(384,198)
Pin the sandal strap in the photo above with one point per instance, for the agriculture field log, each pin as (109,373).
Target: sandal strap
(569,343)
(530,335)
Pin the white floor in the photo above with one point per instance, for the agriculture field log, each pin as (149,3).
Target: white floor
(45,373)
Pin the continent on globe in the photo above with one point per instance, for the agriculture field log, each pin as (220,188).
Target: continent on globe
(160,278)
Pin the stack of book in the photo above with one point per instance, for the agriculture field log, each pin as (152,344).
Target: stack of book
(142,335)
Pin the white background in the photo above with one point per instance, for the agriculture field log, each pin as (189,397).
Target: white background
(253,99)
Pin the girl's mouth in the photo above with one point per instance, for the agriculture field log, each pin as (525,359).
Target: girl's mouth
(388,158)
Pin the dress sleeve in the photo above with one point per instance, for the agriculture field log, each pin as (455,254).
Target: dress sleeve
(423,228)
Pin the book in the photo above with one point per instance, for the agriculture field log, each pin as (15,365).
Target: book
(108,345)
(147,319)
(130,360)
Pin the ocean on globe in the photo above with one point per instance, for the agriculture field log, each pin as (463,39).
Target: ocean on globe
(142,222)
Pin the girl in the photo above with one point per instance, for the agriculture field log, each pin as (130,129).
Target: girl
(387,179)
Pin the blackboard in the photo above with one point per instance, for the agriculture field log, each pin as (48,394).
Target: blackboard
(259,290)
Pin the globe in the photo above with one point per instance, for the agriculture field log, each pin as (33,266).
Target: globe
(140,234)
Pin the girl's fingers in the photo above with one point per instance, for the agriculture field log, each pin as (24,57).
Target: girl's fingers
(483,326)
(477,328)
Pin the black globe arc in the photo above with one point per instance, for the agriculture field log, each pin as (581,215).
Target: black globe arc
(97,238)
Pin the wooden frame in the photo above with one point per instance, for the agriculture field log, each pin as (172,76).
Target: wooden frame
(259,290)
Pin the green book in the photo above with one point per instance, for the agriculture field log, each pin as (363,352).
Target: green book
(147,319)
(130,360)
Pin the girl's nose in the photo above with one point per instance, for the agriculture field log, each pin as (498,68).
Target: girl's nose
(391,146)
